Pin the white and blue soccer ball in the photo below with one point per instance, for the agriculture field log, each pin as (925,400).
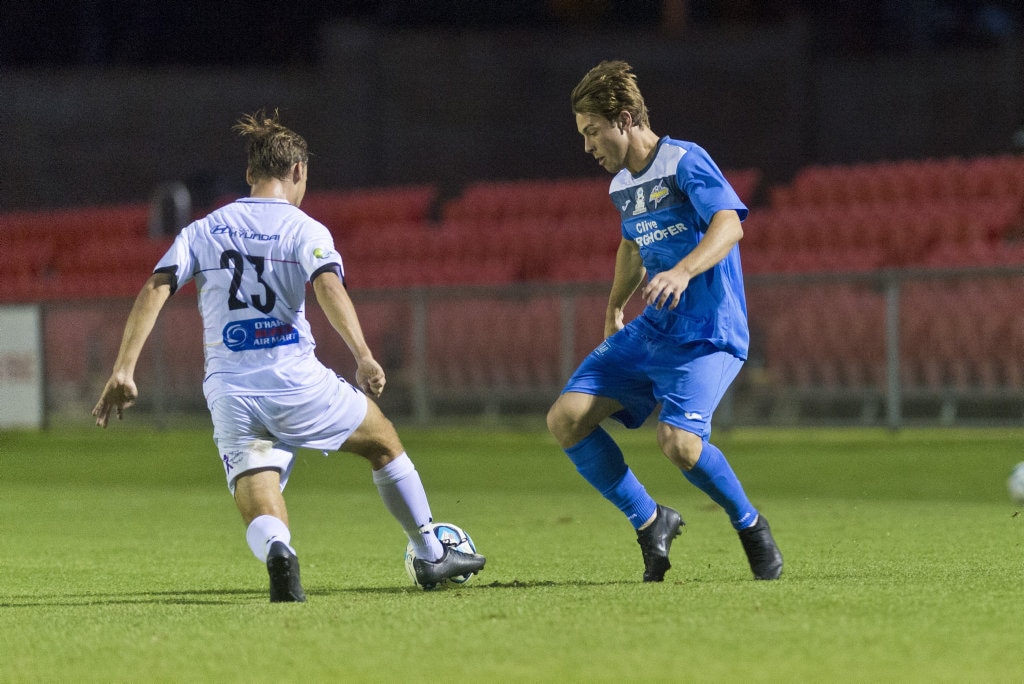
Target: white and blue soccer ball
(448,534)
(1015,484)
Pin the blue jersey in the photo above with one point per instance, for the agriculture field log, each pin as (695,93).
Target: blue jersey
(666,210)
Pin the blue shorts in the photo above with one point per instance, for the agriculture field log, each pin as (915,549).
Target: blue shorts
(639,372)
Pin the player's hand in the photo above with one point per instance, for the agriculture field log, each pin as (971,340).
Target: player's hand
(118,394)
(666,288)
(370,377)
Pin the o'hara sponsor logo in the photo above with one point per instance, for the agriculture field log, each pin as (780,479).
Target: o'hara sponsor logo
(258,333)
(244,233)
(648,232)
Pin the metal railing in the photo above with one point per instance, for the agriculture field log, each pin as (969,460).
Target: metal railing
(940,346)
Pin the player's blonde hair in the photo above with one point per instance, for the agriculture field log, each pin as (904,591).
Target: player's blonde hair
(608,89)
(272,148)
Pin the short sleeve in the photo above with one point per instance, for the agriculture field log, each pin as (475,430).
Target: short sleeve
(178,261)
(316,251)
(706,186)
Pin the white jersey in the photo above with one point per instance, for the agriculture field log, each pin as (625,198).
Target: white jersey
(251,260)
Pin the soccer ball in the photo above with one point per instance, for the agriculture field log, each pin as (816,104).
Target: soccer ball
(448,534)
(1015,484)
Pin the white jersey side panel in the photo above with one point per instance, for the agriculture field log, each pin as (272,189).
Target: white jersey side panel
(251,260)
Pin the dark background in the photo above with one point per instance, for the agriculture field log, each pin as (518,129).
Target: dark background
(102,101)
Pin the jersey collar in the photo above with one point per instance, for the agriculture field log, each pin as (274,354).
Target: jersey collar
(263,200)
(654,156)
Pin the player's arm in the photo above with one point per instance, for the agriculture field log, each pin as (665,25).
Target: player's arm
(337,306)
(629,273)
(724,231)
(120,391)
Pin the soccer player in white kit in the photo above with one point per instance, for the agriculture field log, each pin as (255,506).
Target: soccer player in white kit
(267,392)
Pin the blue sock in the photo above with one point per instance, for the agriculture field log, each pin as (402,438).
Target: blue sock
(599,460)
(714,476)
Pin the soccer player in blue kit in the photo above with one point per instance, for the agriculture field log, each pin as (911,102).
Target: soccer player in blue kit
(267,392)
(681,225)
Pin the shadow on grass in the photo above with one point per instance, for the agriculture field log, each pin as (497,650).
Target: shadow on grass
(222,597)
(474,586)
(211,597)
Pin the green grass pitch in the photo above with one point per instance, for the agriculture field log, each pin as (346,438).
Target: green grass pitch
(124,560)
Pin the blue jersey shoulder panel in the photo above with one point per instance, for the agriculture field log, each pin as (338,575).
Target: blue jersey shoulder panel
(666,210)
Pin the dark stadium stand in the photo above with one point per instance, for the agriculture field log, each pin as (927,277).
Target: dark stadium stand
(960,338)
(820,340)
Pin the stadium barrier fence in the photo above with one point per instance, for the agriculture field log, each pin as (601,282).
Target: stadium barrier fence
(885,348)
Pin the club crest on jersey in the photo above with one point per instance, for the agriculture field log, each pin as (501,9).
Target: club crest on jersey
(258,333)
(658,193)
(641,206)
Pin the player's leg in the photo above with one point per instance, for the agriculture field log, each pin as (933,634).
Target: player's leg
(683,435)
(261,504)
(401,489)
(258,494)
(396,479)
(612,382)
(706,467)
(336,415)
(256,469)
(575,422)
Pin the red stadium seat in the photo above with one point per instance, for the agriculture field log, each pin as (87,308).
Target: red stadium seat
(342,209)
(746,182)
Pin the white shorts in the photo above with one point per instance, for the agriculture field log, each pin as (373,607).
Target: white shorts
(254,432)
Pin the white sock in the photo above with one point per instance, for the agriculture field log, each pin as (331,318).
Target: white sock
(264,531)
(649,522)
(402,491)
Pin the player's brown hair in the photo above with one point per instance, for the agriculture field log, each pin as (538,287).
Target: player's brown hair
(610,88)
(272,148)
